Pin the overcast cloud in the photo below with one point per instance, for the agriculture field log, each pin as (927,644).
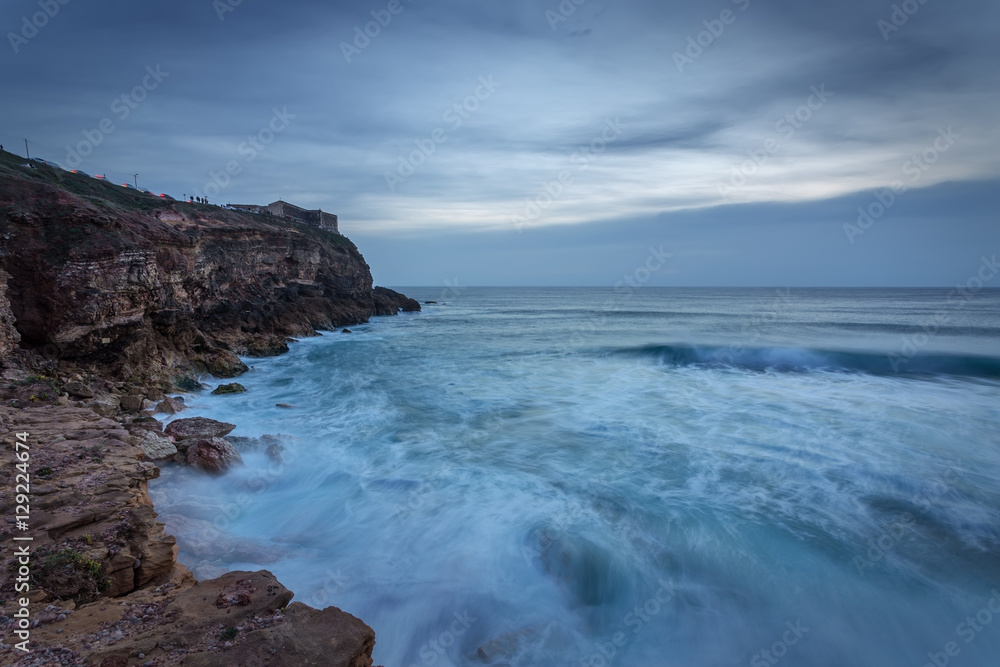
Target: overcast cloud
(511,141)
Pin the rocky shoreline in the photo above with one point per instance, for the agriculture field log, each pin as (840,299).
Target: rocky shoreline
(109,301)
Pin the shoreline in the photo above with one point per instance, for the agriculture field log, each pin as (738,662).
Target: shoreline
(95,527)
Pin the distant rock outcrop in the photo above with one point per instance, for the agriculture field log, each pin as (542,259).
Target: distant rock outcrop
(146,290)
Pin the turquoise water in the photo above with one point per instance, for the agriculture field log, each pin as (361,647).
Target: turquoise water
(656,477)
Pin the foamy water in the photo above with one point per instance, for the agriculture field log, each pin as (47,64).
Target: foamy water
(671,477)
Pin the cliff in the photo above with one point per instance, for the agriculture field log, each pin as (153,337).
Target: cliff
(147,289)
(109,298)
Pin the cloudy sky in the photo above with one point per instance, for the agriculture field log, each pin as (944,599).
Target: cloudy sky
(528,142)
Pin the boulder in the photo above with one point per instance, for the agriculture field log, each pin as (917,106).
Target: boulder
(105,405)
(79,390)
(231,388)
(225,364)
(131,403)
(155,446)
(213,455)
(198,427)
(169,406)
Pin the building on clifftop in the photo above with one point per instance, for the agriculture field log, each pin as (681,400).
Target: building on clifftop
(283,209)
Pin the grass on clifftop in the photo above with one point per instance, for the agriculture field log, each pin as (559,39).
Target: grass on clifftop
(115,198)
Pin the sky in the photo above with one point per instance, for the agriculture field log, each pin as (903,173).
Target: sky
(538,142)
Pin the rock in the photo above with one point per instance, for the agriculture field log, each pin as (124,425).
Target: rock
(155,446)
(225,364)
(198,427)
(273,453)
(155,394)
(390,302)
(214,455)
(285,405)
(148,405)
(105,405)
(131,403)
(306,636)
(169,406)
(231,388)
(346,331)
(428,303)
(79,390)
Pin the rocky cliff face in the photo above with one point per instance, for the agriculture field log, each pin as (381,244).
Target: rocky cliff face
(9,337)
(106,298)
(149,289)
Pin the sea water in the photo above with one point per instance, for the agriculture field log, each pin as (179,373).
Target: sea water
(628,477)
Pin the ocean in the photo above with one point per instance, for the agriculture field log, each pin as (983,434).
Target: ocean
(634,476)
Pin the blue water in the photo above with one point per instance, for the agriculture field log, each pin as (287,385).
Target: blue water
(656,477)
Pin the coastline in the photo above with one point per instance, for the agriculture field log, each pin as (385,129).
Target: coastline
(97,539)
(110,301)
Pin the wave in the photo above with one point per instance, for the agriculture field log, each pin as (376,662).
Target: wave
(791,359)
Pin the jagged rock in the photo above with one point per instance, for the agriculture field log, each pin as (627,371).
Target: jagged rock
(225,364)
(106,405)
(214,455)
(9,336)
(273,453)
(390,302)
(79,390)
(131,403)
(154,394)
(155,446)
(169,406)
(198,427)
(231,388)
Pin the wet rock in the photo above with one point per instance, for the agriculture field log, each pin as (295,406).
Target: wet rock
(225,364)
(169,406)
(213,455)
(198,427)
(288,406)
(273,453)
(156,447)
(155,394)
(231,388)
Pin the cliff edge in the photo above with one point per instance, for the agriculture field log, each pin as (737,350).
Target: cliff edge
(108,299)
(151,290)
